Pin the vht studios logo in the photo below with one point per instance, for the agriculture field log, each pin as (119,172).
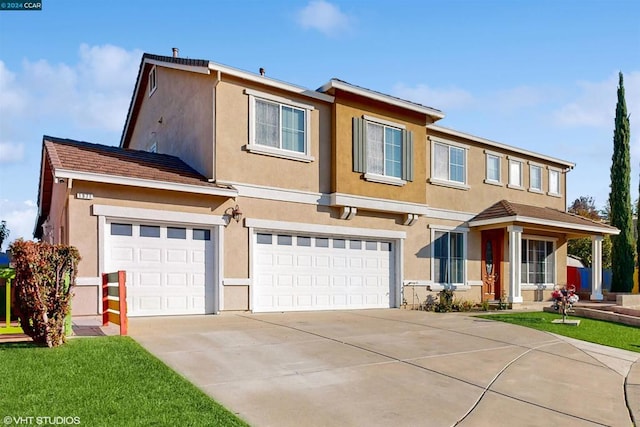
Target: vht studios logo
(21,5)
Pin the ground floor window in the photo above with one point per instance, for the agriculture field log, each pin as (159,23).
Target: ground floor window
(538,262)
(448,257)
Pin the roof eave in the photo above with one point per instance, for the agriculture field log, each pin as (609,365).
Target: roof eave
(146,183)
(335,84)
(500,145)
(245,75)
(594,229)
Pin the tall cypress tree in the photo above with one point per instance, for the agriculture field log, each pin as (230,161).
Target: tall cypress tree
(622,251)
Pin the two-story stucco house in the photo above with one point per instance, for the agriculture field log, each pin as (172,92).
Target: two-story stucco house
(234,191)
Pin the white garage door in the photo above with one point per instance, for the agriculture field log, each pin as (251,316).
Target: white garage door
(169,268)
(295,272)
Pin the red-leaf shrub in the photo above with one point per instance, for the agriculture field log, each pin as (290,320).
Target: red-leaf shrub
(43,296)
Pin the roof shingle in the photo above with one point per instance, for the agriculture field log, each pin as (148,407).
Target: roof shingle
(506,209)
(78,156)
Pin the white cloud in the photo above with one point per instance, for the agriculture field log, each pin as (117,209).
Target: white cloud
(20,217)
(442,99)
(11,152)
(595,105)
(94,93)
(324,17)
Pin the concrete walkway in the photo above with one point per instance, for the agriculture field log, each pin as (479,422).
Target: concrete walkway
(395,368)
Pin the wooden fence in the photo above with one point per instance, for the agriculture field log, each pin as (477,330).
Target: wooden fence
(114,300)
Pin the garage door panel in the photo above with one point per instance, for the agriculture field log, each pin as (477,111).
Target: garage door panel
(197,257)
(322,261)
(149,255)
(304,261)
(177,255)
(122,254)
(304,281)
(177,280)
(148,279)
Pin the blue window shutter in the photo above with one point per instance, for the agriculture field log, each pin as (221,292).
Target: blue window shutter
(407,155)
(359,145)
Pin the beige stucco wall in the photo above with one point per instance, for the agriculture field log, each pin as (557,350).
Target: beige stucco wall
(235,164)
(178,117)
(345,180)
(481,195)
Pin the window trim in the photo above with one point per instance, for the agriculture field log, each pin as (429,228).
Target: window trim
(559,172)
(253,147)
(446,229)
(448,182)
(152,80)
(533,189)
(509,184)
(498,156)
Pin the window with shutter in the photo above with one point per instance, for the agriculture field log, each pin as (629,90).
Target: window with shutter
(383,151)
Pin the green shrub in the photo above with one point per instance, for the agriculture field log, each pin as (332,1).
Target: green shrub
(45,274)
(445,303)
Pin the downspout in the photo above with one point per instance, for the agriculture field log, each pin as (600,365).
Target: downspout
(213,124)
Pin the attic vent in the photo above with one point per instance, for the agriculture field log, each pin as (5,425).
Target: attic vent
(176,51)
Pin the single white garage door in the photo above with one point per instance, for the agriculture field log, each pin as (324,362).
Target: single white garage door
(169,268)
(295,272)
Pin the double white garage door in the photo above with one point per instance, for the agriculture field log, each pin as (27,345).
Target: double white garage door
(169,268)
(297,272)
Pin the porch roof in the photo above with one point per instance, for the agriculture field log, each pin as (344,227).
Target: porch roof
(505,211)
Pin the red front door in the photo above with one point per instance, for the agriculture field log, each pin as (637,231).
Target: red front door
(492,250)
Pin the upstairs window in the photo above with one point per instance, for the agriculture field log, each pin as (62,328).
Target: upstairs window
(493,172)
(382,150)
(153,82)
(554,182)
(448,163)
(535,178)
(515,173)
(278,126)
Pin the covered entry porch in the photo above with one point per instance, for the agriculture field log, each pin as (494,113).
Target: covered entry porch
(524,251)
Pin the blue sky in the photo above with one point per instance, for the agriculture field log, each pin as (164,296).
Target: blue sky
(540,75)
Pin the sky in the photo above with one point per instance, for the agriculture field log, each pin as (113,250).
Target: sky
(540,75)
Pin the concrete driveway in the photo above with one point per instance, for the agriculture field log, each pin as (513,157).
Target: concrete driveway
(393,368)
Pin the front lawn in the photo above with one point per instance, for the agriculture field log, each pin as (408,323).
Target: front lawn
(101,381)
(591,330)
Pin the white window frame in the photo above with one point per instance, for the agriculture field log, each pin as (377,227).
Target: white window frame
(488,180)
(376,177)
(519,186)
(448,182)
(554,241)
(253,147)
(551,191)
(539,167)
(153,80)
(446,229)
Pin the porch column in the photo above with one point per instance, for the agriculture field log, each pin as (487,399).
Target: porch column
(596,268)
(515,258)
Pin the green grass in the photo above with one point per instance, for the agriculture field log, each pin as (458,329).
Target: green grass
(105,381)
(595,331)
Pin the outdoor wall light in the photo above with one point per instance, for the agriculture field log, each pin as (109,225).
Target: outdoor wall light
(233,212)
